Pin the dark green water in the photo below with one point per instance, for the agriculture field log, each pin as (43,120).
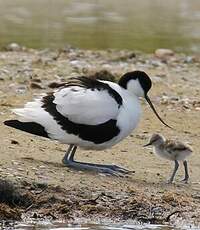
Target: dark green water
(99,24)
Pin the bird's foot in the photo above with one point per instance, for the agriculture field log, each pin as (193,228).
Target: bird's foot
(116,168)
(106,169)
(185,180)
(169,181)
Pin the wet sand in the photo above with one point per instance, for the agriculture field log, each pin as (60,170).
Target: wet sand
(50,190)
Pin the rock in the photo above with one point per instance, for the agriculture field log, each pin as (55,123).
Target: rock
(13,47)
(164,53)
(21,89)
(168,197)
(34,85)
(14,142)
(189,59)
(37,80)
(155,63)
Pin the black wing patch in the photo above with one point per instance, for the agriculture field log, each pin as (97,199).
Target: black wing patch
(29,127)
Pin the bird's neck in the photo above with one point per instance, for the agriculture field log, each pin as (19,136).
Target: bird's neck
(159,145)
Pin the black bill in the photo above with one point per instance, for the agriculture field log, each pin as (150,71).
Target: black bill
(147,145)
(154,110)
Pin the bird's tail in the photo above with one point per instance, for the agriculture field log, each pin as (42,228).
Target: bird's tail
(30,127)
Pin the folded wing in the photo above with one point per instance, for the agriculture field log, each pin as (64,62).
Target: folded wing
(86,105)
(82,101)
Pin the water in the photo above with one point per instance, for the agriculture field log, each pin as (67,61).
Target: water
(98,24)
(63,226)
(129,225)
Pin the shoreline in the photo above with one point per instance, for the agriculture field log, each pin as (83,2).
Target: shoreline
(31,162)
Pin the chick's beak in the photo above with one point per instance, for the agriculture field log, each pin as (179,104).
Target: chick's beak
(154,110)
(147,144)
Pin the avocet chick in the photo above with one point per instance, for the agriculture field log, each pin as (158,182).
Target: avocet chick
(172,150)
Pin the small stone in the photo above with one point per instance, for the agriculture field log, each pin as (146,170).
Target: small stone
(13,47)
(42,167)
(14,142)
(21,89)
(189,59)
(15,162)
(34,85)
(168,197)
(164,53)
(33,168)
(36,80)
(35,215)
(20,169)
(196,196)
(155,63)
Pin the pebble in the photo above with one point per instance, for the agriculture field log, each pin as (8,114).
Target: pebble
(189,59)
(15,162)
(157,79)
(44,178)
(20,169)
(34,85)
(33,168)
(21,89)
(155,63)
(42,167)
(164,53)
(13,47)
(14,142)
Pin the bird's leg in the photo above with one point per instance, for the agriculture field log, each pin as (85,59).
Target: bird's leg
(68,154)
(72,153)
(186,172)
(174,172)
(69,161)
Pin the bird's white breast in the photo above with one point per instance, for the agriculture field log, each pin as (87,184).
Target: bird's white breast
(129,114)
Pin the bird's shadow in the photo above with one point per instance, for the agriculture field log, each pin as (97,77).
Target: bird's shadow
(61,165)
(50,163)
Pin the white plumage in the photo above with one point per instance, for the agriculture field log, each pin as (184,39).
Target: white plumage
(88,113)
(85,106)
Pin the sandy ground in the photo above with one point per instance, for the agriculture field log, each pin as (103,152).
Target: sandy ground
(30,159)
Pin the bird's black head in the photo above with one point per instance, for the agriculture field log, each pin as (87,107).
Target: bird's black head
(139,83)
(131,80)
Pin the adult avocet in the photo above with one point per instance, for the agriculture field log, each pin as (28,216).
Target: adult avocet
(87,113)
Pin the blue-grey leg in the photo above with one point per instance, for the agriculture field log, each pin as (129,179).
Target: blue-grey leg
(186,172)
(69,161)
(176,165)
(68,153)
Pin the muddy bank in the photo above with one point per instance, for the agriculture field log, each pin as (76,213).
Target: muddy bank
(42,201)
(47,189)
